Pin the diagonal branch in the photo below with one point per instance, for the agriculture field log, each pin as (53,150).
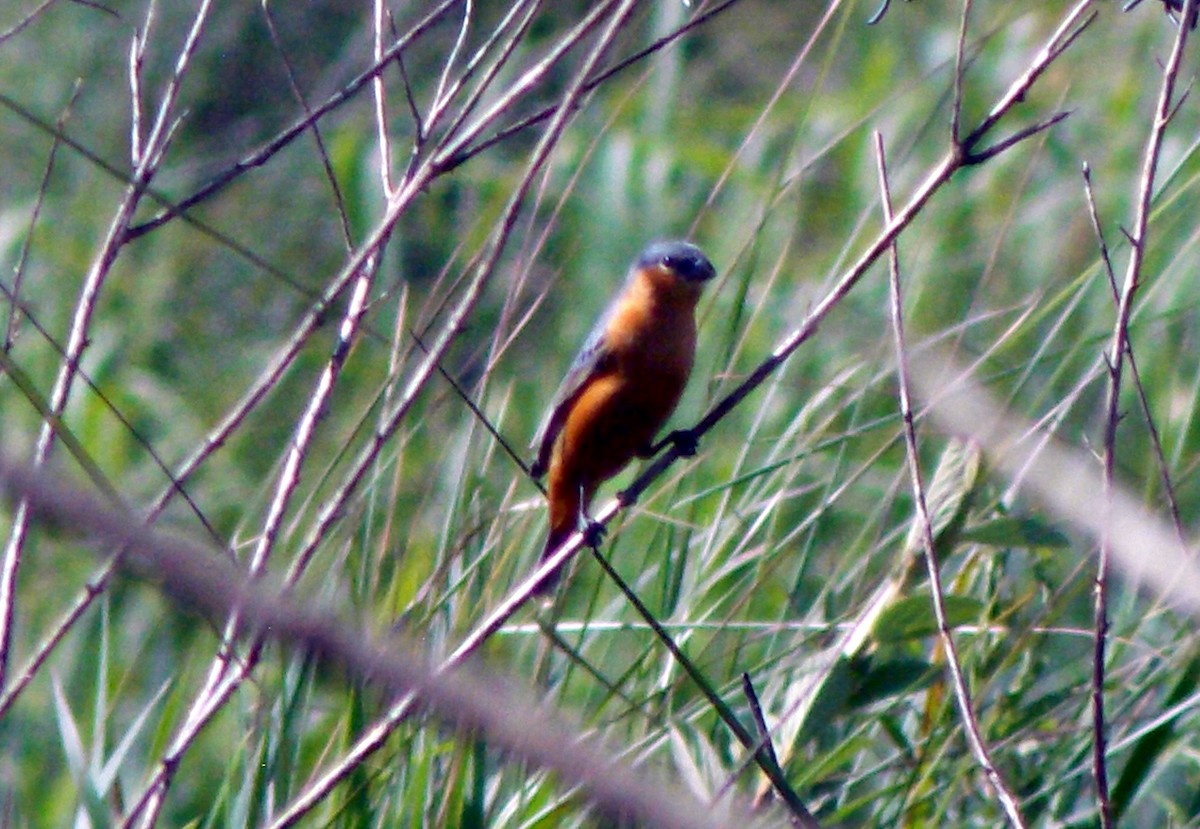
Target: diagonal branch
(201,579)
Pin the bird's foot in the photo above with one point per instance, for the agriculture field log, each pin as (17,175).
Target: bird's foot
(685,442)
(593,533)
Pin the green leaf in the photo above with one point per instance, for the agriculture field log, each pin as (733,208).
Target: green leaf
(1156,746)
(829,700)
(913,618)
(1016,532)
(948,496)
(880,679)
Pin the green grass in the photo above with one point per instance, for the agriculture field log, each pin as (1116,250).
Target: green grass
(756,557)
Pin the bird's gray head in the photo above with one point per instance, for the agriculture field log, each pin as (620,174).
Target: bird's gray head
(681,258)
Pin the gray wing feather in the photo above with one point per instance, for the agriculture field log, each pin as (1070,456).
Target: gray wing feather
(591,358)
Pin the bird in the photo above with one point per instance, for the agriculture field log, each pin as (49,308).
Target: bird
(621,388)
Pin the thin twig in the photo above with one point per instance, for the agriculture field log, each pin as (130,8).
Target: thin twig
(1072,26)
(962,692)
(757,746)
(986,154)
(318,140)
(467,153)
(510,31)
(1135,374)
(78,337)
(763,753)
(465,134)
(455,50)
(263,154)
(33,14)
(760,720)
(13,295)
(380,15)
(152,194)
(960,71)
(1118,348)
(497,49)
(787,82)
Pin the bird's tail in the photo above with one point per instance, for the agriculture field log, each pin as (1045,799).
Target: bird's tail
(564,520)
(553,541)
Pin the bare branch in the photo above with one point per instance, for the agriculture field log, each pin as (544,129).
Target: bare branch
(455,50)
(781,88)
(962,692)
(33,14)
(466,153)
(318,140)
(268,151)
(1072,26)
(201,579)
(380,16)
(1118,348)
(80,331)
(1135,374)
(980,156)
(14,294)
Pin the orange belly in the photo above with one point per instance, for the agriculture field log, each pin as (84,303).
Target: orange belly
(611,421)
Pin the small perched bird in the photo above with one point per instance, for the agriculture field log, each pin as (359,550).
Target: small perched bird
(623,386)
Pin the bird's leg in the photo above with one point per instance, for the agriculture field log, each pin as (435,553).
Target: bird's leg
(593,531)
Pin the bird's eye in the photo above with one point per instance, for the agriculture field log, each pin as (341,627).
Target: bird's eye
(670,262)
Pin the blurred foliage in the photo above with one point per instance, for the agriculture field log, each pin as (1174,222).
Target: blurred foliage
(756,143)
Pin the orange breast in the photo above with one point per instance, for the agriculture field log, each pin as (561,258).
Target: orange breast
(652,339)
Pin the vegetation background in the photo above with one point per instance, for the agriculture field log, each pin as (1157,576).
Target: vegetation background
(265,354)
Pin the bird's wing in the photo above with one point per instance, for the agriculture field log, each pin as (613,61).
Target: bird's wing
(593,358)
